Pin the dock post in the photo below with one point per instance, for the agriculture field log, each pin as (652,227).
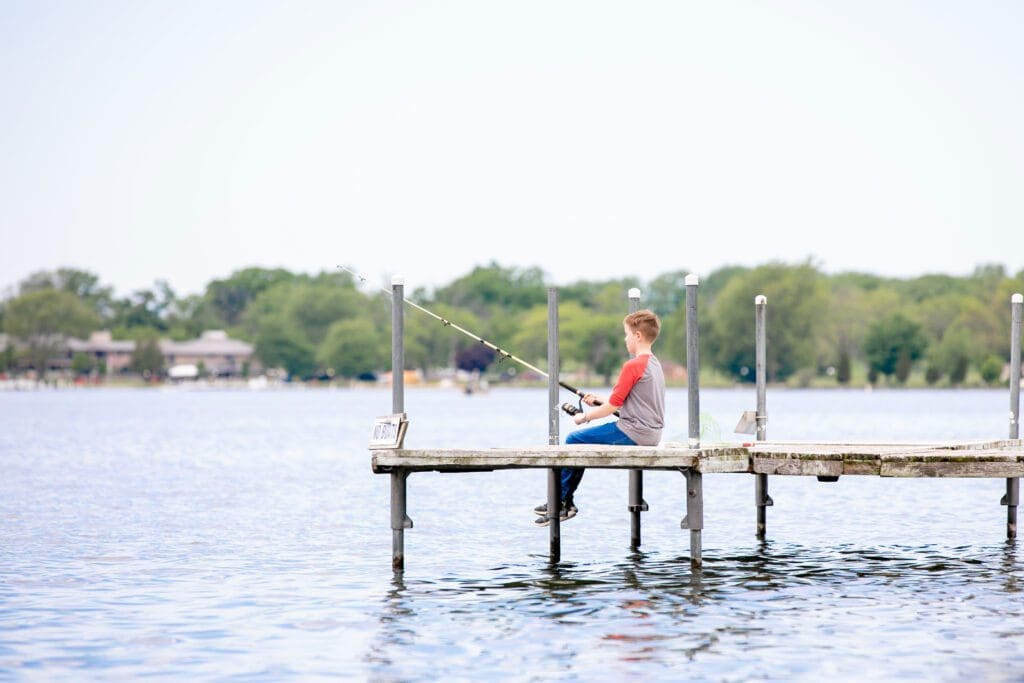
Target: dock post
(555,473)
(1012,497)
(694,488)
(761,498)
(636,477)
(399,519)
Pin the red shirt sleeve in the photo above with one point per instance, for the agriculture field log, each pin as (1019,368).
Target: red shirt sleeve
(632,370)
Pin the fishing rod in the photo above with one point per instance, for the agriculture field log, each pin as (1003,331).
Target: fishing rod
(502,353)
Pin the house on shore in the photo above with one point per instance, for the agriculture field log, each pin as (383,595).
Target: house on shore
(101,348)
(214,352)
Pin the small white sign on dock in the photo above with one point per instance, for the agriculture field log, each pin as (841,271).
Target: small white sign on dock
(389,431)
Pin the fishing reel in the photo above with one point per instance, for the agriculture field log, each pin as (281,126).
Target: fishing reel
(571,410)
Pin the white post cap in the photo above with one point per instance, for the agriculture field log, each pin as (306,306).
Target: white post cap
(760,299)
(397,280)
(634,293)
(692,279)
(1017,298)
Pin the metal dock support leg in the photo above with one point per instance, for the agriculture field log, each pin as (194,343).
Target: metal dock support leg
(1012,497)
(399,518)
(554,508)
(1011,500)
(555,473)
(761,498)
(694,520)
(763,501)
(636,477)
(636,506)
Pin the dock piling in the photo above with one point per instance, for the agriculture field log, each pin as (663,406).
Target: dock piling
(1012,497)
(761,498)
(694,489)
(554,474)
(637,504)
(694,520)
(399,518)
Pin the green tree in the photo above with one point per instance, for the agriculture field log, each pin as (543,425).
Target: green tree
(611,296)
(665,293)
(598,340)
(8,358)
(83,284)
(353,347)
(530,341)
(890,337)
(431,343)
(991,368)
(850,311)
(145,309)
(843,372)
(229,298)
(797,302)
(308,308)
(81,363)
(492,288)
(188,317)
(591,340)
(147,359)
(279,345)
(952,355)
(42,319)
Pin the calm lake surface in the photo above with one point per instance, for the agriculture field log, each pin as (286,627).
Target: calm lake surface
(236,535)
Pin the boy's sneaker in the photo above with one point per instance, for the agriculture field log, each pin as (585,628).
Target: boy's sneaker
(542,509)
(567,512)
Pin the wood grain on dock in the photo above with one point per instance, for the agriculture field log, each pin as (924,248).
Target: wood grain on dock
(720,458)
(999,458)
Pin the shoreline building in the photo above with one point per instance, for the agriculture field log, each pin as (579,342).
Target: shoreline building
(213,352)
(101,347)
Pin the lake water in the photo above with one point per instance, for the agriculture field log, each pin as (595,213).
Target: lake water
(242,536)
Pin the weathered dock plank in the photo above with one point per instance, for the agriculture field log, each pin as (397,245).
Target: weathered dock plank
(999,462)
(998,459)
(723,459)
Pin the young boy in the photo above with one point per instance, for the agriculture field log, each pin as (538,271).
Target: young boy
(639,396)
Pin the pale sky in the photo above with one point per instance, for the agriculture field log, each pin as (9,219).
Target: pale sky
(185,140)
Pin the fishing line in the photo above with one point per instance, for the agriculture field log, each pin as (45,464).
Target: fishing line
(502,353)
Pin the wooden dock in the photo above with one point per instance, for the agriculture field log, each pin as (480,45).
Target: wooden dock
(1001,459)
(998,459)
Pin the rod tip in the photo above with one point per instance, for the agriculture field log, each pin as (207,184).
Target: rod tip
(1017,298)
(692,279)
(634,293)
(760,299)
(397,280)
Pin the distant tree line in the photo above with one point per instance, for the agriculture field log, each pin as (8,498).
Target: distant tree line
(843,327)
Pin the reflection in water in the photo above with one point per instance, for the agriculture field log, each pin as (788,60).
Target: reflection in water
(397,629)
(1010,566)
(649,610)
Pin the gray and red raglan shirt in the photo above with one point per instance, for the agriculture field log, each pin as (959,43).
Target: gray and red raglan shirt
(640,397)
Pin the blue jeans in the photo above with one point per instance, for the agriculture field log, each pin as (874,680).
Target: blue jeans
(608,434)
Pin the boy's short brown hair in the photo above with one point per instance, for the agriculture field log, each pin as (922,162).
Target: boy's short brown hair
(645,322)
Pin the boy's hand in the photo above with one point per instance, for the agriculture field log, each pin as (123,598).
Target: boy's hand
(590,400)
(579,418)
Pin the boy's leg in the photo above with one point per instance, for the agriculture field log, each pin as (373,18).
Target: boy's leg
(608,434)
